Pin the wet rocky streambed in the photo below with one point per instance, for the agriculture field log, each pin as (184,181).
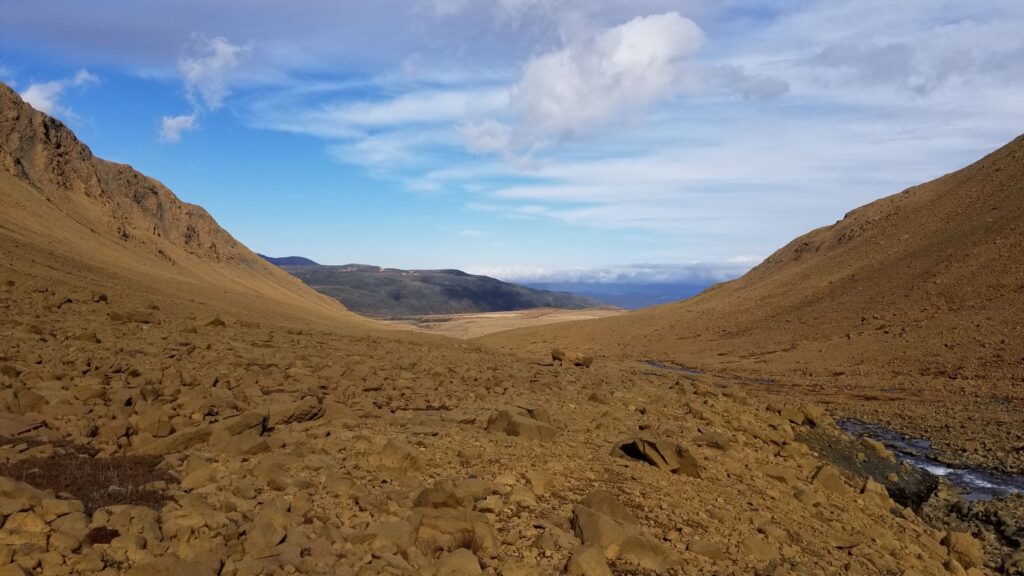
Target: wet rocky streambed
(973,483)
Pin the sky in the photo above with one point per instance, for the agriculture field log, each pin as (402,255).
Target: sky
(543,140)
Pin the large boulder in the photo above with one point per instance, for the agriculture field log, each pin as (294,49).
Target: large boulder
(587,561)
(522,421)
(600,520)
(440,530)
(965,549)
(663,454)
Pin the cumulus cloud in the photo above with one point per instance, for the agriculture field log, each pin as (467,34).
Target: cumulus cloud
(206,70)
(619,71)
(681,273)
(46,96)
(172,127)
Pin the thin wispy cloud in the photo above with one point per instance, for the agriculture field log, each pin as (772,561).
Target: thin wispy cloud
(677,130)
(206,71)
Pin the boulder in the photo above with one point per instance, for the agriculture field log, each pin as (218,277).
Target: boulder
(523,422)
(829,479)
(396,456)
(965,549)
(587,561)
(309,408)
(714,439)
(573,358)
(440,530)
(878,449)
(663,454)
(875,492)
(758,549)
(600,520)
(459,562)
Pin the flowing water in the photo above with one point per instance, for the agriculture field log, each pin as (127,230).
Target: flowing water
(976,483)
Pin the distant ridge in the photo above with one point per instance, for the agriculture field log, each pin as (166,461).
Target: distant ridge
(390,292)
(289,261)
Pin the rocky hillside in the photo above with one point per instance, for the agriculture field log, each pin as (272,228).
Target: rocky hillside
(197,412)
(909,310)
(60,204)
(389,292)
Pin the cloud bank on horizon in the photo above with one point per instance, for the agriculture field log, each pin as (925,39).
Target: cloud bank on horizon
(616,130)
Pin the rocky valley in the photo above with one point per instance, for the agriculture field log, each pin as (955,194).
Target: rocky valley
(174,405)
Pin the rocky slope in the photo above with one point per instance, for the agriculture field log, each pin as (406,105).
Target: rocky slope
(910,311)
(62,208)
(389,292)
(199,413)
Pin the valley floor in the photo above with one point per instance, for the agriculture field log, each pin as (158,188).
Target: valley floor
(475,325)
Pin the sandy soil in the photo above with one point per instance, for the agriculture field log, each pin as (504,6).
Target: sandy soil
(476,325)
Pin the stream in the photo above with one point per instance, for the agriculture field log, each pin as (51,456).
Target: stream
(975,483)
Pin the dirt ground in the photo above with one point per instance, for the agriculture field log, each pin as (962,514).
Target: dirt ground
(475,325)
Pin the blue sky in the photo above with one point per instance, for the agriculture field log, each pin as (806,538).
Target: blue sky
(528,139)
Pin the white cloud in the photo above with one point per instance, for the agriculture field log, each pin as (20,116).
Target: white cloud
(416,108)
(207,68)
(681,273)
(620,71)
(470,233)
(46,96)
(172,127)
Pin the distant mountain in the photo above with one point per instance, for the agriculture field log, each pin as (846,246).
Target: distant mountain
(389,292)
(628,295)
(289,261)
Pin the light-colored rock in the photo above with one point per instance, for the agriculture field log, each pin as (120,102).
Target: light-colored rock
(522,422)
(446,529)
(965,549)
(459,562)
(830,480)
(587,561)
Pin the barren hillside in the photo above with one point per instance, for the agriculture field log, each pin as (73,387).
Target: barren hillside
(172,405)
(910,310)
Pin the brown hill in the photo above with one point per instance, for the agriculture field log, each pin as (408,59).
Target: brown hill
(140,434)
(914,298)
(74,218)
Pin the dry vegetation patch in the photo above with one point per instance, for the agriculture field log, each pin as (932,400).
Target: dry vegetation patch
(96,482)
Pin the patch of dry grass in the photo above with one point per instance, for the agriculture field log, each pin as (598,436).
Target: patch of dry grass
(96,482)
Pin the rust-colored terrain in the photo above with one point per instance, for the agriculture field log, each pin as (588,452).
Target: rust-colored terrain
(170,404)
(909,311)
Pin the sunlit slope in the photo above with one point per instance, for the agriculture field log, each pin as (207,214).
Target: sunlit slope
(926,282)
(76,220)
